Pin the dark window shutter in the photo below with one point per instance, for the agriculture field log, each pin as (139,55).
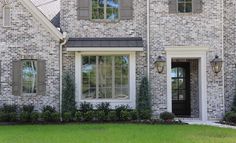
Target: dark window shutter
(83,9)
(126,9)
(0,76)
(16,78)
(173,6)
(41,85)
(197,6)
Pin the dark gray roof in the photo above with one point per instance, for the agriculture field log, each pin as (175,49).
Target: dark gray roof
(56,20)
(105,42)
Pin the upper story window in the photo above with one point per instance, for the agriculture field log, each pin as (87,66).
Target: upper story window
(6,16)
(29,76)
(105,10)
(184,6)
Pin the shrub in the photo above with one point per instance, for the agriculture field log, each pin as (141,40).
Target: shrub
(101,115)
(144,100)
(2,116)
(88,116)
(25,116)
(49,108)
(78,116)
(119,109)
(134,114)
(68,95)
(46,116)
(104,106)
(8,113)
(9,108)
(125,115)
(85,107)
(144,114)
(55,117)
(112,116)
(34,116)
(28,108)
(67,116)
(230,117)
(167,116)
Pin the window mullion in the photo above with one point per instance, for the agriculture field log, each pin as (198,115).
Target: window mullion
(97,78)
(113,77)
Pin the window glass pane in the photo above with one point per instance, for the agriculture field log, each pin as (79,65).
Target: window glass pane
(122,77)
(98,9)
(29,79)
(105,76)
(112,9)
(89,77)
(181,7)
(188,7)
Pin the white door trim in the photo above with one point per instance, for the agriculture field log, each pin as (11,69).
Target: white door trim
(189,53)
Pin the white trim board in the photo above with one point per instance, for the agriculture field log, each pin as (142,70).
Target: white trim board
(189,53)
(42,19)
(131,102)
(94,49)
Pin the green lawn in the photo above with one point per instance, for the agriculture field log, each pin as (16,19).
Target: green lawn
(115,133)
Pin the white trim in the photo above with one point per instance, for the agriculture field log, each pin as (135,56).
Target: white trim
(132,79)
(4,16)
(189,53)
(94,49)
(41,18)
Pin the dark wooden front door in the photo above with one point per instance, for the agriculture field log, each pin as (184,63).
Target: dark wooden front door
(180,75)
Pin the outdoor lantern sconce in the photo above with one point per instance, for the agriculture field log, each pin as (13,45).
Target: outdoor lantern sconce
(160,64)
(216,64)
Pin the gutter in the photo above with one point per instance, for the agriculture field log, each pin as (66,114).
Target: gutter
(62,43)
(148,40)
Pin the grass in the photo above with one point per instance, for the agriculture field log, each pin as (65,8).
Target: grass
(115,133)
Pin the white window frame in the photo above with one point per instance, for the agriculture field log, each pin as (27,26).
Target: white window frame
(131,102)
(4,16)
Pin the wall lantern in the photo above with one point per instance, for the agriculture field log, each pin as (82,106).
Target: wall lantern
(160,64)
(216,64)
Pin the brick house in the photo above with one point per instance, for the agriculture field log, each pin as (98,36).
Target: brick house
(108,46)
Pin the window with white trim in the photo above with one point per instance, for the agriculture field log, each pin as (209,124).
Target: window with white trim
(105,77)
(29,76)
(105,9)
(6,16)
(184,6)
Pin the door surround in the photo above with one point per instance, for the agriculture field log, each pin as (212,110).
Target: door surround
(189,52)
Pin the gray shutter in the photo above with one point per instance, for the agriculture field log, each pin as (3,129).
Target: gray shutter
(197,6)
(83,9)
(173,6)
(126,9)
(16,78)
(41,71)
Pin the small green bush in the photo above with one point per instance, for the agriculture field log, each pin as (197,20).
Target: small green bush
(9,108)
(85,107)
(230,117)
(104,106)
(78,116)
(101,115)
(46,116)
(119,109)
(67,116)
(125,115)
(28,108)
(134,114)
(55,117)
(8,117)
(49,108)
(112,116)
(167,116)
(144,114)
(34,116)
(88,116)
(25,116)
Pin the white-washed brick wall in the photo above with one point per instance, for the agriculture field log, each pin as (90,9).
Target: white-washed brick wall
(27,38)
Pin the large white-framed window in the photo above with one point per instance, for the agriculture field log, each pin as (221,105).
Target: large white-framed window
(6,16)
(106,77)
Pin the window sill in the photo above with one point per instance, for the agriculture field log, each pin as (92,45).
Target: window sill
(104,21)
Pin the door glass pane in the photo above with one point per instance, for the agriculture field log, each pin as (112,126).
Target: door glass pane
(174,83)
(174,94)
(182,84)
(174,72)
(29,72)
(181,72)
(182,94)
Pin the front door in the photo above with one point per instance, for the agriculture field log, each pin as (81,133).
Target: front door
(180,74)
